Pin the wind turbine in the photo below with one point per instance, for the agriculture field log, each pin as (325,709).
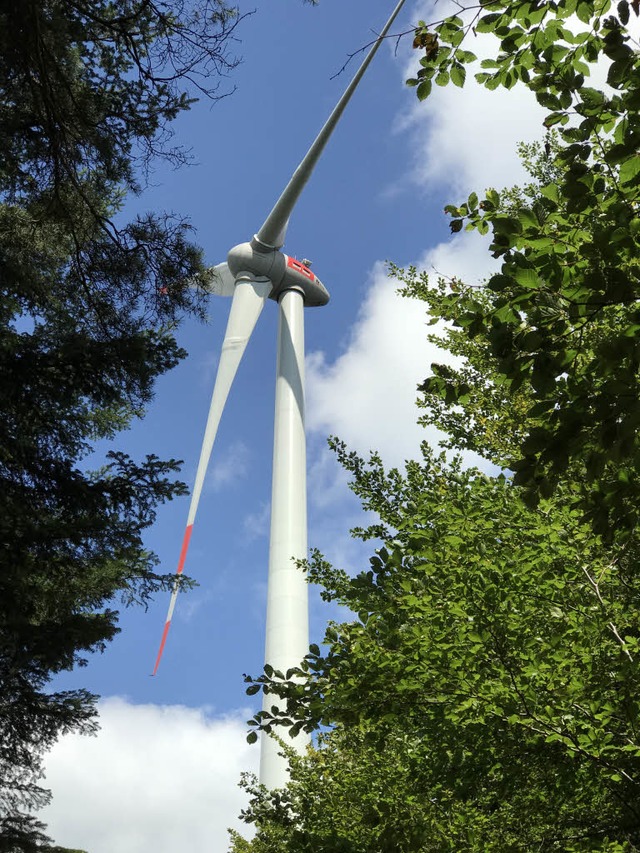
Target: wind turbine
(254,272)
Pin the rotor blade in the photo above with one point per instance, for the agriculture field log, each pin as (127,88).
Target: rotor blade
(221,281)
(274,229)
(248,301)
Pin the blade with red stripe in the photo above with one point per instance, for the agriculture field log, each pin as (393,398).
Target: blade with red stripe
(248,301)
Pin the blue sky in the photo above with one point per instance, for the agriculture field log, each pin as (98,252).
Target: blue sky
(376,195)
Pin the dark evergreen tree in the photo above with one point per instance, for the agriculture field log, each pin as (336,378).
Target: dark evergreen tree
(87,94)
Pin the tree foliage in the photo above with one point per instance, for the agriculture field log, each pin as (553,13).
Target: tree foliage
(560,318)
(89,303)
(486,696)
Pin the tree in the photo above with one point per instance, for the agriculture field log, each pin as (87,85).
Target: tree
(88,91)
(485,699)
(347,795)
(560,319)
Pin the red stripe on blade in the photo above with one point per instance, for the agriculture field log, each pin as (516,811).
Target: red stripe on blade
(183,556)
(162,642)
(184,549)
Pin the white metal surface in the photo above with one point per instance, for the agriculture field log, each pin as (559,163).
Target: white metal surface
(287,631)
(222,281)
(248,301)
(247,304)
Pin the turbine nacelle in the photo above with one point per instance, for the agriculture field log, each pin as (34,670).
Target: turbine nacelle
(255,261)
(283,271)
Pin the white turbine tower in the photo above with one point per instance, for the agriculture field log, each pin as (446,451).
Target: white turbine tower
(254,272)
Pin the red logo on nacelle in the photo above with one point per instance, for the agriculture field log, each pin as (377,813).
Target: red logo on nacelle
(298,267)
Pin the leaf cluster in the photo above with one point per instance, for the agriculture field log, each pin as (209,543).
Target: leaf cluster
(559,323)
(491,674)
(554,334)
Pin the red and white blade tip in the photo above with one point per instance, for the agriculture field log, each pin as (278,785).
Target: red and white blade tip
(174,594)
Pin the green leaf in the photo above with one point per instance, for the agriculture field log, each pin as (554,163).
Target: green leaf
(551,192)
(458,74)
(593,98)
(424,90)
(629,170)
(548,100)
(620,71)
(486,23)
(556,118)
(527,278)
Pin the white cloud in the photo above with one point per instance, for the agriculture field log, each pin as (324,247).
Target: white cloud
(371,388)
(156,779)
(256,524)
(465,256)
(465,139)
(231,467)
(367,395)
